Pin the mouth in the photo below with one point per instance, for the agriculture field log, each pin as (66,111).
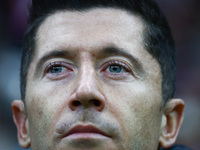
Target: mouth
(86,132)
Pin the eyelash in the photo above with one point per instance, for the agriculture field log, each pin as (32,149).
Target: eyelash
(123,64)
(54,64)
(104,67)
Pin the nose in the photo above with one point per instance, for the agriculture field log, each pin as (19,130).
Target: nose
(87,93)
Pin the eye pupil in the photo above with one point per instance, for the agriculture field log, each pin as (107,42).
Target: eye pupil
(56,69)
(115,68)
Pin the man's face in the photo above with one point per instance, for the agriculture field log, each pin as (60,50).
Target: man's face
(92,84)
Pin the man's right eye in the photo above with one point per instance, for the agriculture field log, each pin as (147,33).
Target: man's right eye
(58,70)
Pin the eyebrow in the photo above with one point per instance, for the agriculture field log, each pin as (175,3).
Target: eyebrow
(53,54)
(105,52)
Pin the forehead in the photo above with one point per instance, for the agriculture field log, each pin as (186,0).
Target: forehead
(94,17)
(92,27)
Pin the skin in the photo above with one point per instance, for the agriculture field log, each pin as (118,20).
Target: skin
(71,82)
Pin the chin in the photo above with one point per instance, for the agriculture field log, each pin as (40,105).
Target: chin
(86,142)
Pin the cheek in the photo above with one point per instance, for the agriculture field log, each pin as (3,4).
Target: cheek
(36,110)
(42,107)
(37,120)
(137,109)
(43,102)
(38,116)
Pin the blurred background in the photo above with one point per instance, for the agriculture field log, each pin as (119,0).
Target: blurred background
(184,19)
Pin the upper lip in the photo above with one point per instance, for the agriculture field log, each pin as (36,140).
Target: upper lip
(85,129)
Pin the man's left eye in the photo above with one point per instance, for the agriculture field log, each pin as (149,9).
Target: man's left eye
(116,67)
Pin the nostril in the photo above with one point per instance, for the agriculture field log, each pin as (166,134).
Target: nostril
(96,103)
(76,103)
(85,104)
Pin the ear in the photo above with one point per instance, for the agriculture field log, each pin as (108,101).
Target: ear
(171,122)
(21,122)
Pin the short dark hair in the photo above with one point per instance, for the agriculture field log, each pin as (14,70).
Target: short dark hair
(158,40)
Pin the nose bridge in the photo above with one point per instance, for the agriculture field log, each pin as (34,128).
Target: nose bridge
(87,81)
(87,91)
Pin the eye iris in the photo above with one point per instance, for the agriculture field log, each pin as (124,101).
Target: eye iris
(115,68)
(56,69)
